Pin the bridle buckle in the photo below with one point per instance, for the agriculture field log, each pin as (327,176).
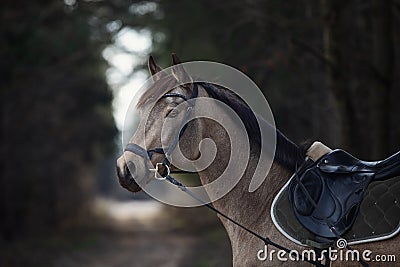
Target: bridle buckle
(159,176)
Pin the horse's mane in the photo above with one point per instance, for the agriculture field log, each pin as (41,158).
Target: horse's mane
(287,153)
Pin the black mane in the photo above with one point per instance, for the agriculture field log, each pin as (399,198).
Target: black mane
(287,153)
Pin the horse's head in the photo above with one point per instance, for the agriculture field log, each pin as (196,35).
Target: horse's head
(166,99)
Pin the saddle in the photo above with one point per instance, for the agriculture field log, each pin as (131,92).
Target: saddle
(326,192)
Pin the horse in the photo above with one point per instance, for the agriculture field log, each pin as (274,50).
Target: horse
(251,209)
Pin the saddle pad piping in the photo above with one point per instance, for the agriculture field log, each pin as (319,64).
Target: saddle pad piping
(380,238)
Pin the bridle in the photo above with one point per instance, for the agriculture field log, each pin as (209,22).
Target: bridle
(167,151)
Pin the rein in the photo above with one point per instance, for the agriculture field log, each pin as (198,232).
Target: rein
(136,149)
(266,239)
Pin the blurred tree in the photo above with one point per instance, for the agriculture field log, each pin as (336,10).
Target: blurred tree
(359,46)
(264,39)
(327,67)
(55,114)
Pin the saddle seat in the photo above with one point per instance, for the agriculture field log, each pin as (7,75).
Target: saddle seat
(327,191)
(339,161)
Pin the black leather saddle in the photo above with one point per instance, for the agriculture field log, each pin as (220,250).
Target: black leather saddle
(326,194)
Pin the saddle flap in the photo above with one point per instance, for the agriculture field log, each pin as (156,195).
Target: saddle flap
(378,216)
(328,194)
(313,184)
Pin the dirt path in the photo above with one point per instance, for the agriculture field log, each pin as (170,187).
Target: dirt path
(135,249)
(137,235)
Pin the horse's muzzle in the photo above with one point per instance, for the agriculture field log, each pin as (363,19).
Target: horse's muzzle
(125,172)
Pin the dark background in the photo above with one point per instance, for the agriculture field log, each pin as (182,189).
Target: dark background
(328,68)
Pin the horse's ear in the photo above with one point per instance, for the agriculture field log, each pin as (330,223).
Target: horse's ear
(175,59)
(179,72)
(153,67)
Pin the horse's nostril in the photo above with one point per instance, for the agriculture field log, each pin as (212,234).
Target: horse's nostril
(131,168)
(119,174)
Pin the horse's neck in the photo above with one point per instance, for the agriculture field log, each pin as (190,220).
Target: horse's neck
(250,208)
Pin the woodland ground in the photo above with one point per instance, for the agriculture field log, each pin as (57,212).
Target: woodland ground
(137,233)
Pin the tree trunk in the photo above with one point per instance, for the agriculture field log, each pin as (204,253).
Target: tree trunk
(336,70)
(365,117)
(382,65)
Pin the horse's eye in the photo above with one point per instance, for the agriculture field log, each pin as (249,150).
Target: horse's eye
(172,113)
